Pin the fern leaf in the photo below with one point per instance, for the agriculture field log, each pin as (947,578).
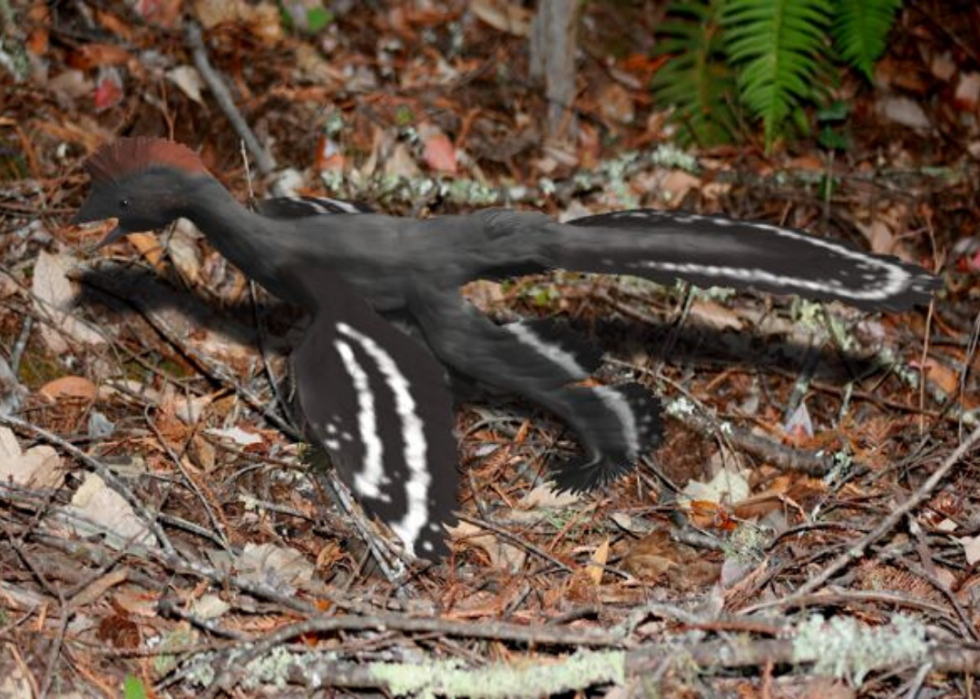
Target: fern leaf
(696,80)
(778,44)
(861,31)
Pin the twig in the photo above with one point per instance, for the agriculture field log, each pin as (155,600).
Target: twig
(923,377)
(191,483)
(517,541)
(104,473)
(811,463)
(971,351)
(921,495)
(195,40)
(18,351)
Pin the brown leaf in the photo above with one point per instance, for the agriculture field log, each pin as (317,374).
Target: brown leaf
(581,589)
(98,587)
(880,236)
(503,16)
(38,467)
(503,555)
(108,89)
(120,631)
(652,556)
(112,24)
(616,105)
(149,247)
(98,56)
(599,558)
(69,387)
(716,316)
(941,375)
(439,152)
(39,18)
(657,556)
(677,183)
(786,488)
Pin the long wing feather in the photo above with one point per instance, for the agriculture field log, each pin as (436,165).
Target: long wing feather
(379,404)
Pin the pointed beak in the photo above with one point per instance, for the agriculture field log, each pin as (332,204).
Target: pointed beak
(89,213)
(114,235)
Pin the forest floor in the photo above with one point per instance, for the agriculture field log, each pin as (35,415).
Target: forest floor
(809,528)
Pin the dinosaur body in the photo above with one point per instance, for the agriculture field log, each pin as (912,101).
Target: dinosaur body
(377,399)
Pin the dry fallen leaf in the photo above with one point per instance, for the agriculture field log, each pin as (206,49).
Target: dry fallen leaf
(676,184)
(616,105)
(598,561)
(401,163)
(503,555)
(237,435)
(438,150)
(274,565)
(38,467)
(188,80)
(98,509)
(879,235)
(69,387)
(657,556)
(149,247)
(503,15)
(54,295)
(184,251)
(652,556)
(786,488)
(903,110)
(714,315)
(726,486)
(545,496)
(971,547)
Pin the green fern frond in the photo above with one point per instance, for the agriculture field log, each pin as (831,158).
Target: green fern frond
(861,30)
(696,79)
(778,44)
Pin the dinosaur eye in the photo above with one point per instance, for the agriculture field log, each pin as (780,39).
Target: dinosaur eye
(124,203)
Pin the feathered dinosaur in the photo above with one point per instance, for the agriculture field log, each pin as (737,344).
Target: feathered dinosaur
(379,398)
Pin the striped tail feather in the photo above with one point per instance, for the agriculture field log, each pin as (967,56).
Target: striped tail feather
(719,251)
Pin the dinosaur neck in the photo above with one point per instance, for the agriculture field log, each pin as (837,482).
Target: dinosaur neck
(258,246)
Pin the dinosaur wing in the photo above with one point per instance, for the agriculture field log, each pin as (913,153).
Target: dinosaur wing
(379,404)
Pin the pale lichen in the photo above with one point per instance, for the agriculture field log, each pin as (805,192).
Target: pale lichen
(680,407)
(846,648)
(529,678)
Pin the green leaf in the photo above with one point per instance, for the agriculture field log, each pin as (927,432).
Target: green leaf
(695,80)
(404,116)
(836,111)
(861,31)
(133,688)
(777,45)
(832,139)
(317,18)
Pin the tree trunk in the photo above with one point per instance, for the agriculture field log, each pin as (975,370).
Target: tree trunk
(553,49)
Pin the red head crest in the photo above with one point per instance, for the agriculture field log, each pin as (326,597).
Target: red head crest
(126,156)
